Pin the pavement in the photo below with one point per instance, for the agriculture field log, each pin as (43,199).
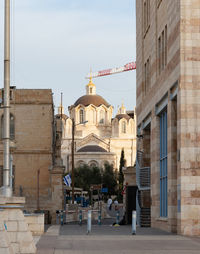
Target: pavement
(107,239)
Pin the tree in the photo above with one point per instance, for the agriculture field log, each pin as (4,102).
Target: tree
(121,174)
(109,179)
(85,176)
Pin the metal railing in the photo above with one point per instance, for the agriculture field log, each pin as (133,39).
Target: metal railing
(138,209)
(143,180)
(143,174)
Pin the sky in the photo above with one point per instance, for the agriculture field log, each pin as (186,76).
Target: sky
(55,43)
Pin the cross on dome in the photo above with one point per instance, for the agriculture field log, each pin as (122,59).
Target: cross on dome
(90,87)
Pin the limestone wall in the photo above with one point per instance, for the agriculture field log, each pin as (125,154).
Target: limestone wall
(33,115)
(5,246)
(18,235)
(188,120)
(176,88)
(35,223)
(35,148)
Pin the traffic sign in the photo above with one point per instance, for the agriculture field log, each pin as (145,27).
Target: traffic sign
(104,190)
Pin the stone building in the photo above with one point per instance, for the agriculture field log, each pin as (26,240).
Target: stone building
(168,92)
(35,148)
(99,138)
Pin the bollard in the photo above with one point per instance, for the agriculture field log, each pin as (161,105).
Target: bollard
(99,217)
(80,217)
(133,222)
(89,222)
(61,218)
(117,218)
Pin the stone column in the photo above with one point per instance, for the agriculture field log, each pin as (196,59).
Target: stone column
(155,170)
(188,188)
(172,165)
(189,121)
(57,190)
(20,238)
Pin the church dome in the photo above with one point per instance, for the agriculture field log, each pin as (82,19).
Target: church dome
(96,100)
(120,116)
(122,113)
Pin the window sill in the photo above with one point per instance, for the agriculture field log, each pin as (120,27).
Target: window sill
(165,219)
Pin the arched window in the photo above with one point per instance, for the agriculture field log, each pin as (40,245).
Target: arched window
(123,127)
(81,115)
(102,116)
(12,127)
(90,90)
(80,164)
(93,164)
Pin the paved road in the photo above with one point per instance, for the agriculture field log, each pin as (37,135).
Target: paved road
(106,239)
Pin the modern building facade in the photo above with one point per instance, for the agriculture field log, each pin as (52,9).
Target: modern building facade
(168,92)
(99,138)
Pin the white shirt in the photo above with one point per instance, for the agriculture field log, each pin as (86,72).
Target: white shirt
(109,202)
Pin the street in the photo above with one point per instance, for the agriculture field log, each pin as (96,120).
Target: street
(72,239)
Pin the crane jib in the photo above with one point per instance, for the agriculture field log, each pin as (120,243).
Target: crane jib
(127,67)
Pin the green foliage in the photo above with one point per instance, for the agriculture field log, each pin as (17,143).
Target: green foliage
(109,179)
(121,174)
(85,176)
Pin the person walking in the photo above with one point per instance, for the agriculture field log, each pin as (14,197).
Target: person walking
(109,203)
(116,204)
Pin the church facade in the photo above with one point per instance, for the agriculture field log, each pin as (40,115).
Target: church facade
(98,138)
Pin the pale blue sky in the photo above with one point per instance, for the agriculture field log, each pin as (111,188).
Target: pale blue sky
(56,42)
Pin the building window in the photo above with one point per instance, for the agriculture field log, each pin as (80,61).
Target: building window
(90,90)
(146,15)
(12,127)
(147,76)
(162,50)
(81,115)
(93,164)
(159,55)
(163,164)
(102,116)
(80,164)
(165,45)
(123,127)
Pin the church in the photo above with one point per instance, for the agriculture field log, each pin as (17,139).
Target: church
(98,137)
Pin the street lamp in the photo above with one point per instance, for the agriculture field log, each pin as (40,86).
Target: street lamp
(7,189)
(73,132)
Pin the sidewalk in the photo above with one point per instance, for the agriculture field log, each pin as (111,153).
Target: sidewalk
(106,239)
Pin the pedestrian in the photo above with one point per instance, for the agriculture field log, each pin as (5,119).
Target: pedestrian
(116,204)
(109,203)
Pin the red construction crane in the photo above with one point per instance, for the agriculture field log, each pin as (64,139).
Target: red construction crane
(127,67)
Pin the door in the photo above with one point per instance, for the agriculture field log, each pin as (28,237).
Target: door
(130,202)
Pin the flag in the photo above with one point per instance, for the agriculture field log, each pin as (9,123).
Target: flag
(67,180)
